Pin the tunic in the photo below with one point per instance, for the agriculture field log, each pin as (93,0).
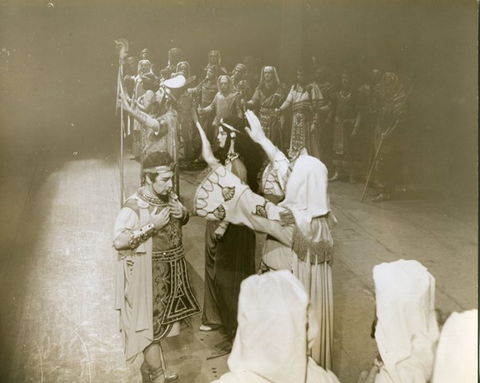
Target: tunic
(300,99)
(345,147)
(153,291)
(265,101)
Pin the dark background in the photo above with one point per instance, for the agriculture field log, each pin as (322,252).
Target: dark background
(58,79)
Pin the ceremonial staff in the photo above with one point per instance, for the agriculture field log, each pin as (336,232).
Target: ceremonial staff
(391,127)
(122,50)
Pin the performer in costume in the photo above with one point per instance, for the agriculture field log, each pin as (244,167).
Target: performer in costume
(229,249)
(298,228)
(346,146)
(225,104)
(323,106)
(175,55)
(205,93)
(369,100)
(153,290)
(240,82)
(144,67)
(301,99)
(215,59)
(269,96)
(406,330)
(276,328)
(390,130)
(161,130)
(189,140)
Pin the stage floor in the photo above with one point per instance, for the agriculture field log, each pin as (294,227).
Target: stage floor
(57,279)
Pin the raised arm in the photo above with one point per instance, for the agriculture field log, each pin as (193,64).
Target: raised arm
(207,152)
(257,135)
(140,116)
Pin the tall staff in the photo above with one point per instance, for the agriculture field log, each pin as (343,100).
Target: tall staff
(122,49)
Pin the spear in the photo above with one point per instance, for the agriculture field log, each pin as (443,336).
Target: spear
(122,49)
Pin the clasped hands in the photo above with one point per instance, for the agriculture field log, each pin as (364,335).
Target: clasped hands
(162,218)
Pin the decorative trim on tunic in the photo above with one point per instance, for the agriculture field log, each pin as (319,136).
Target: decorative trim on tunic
(320,252)
(150,199)
(261,210)
(219,182)
(180,302)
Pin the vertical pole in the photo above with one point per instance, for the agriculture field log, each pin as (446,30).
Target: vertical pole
(122,133)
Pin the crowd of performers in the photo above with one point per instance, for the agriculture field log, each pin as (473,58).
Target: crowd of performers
(277,326)
(338,122)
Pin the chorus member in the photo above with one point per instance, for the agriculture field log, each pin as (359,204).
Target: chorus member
(269,96)
(301,100)
(346,146)
(225,104)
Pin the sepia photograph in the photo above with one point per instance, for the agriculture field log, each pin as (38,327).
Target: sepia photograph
(239,191)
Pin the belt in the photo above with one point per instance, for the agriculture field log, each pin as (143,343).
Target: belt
(169,255)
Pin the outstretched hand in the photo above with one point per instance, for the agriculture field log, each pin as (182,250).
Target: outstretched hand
(255,131)
(207,152)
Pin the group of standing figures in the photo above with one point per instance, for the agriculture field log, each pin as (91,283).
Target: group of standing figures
(350,128)
(257,183)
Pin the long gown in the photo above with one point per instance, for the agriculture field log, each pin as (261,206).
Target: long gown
(222,197)
(302,101)
(227,263)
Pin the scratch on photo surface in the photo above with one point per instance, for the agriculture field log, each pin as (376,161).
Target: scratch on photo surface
(88,356)
(41,361)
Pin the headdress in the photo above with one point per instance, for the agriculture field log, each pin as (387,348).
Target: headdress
(143,62)
(216,52)
(230,83)
(275,76)
(160,169)
(174,56)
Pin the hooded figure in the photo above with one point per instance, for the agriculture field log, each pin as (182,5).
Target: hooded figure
(299,238)
(457,352)
(275,331)
(406,330)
